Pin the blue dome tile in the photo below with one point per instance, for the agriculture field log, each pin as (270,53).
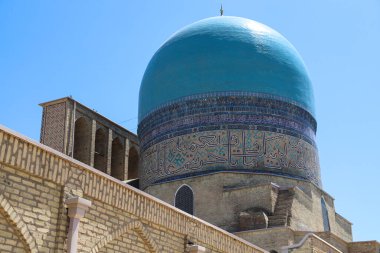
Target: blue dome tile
(225,54)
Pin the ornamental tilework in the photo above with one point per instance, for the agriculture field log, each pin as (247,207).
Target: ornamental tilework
(233,150)
(228,132)
(245,112)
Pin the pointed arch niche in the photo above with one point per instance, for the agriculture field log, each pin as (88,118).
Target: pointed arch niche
(11,223)
(184,199)
(133,163)
(82,140)
(117,159)
(100,159)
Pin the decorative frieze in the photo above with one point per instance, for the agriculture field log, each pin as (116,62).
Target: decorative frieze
(228,132)
(230,150)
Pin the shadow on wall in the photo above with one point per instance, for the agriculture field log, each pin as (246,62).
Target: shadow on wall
(101,156)
(100,159)
(82,140)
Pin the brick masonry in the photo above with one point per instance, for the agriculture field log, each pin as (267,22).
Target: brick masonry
(58,131)
(36,179)
(220,197)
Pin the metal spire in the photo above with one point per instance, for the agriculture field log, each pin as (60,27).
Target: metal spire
(221,10)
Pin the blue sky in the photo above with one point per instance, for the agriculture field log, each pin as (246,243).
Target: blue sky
(97,52)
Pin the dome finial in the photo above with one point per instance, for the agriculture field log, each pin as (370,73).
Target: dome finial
(221,10)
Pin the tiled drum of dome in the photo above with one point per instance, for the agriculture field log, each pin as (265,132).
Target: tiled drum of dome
(201,136)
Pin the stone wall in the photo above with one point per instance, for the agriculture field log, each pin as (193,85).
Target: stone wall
(37,180)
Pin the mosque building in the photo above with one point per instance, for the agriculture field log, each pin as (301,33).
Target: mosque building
(226,133)
(233,135)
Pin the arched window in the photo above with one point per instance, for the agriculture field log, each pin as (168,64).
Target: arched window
(184,199)
(325,215)
(82,140)
(100,159)
(117,159)
(133,163)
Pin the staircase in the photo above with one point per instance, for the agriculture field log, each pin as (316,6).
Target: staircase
(282,210)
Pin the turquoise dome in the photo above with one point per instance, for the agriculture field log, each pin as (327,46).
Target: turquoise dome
(225,54)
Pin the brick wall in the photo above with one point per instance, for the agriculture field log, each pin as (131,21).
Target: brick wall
(70,127)
(53,126)
(271,239)
(35,181)
(220,197)
(9,242)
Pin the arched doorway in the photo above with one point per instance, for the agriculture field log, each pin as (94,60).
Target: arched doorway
(117,159)
(82,140)
(184,199)
(133,163)
(100,159)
